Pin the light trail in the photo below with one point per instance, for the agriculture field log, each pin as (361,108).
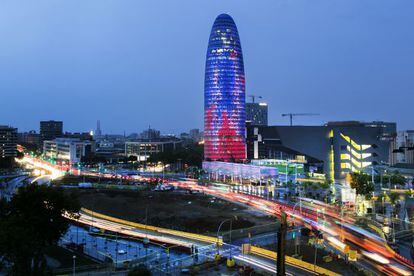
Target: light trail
(309,216)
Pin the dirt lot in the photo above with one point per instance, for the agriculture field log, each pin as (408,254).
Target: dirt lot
(179,210)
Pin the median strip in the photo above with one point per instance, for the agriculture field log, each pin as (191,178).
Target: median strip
(291,261)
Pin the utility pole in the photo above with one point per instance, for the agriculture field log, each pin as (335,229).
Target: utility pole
(281,246)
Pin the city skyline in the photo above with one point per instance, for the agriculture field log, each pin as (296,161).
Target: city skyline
(113,72)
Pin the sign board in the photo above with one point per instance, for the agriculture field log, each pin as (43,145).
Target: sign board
(352,255)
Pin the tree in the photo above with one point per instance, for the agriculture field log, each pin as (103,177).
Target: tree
(393,197)
(32,220)
(191,155)
(361,183)
(140,271)
(397,179)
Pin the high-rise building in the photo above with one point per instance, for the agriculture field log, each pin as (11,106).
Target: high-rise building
(98,132)
(8,142)
(256,113)
(50,130)
(224,94)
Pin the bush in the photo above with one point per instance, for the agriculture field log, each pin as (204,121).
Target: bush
(140,271)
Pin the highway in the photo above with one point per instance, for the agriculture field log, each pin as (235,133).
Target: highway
(130,231)
(372,249)
(160,237)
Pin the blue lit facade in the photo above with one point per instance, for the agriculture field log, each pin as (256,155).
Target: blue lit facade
(224,94)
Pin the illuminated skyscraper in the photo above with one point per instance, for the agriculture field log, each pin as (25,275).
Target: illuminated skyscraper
(224,94)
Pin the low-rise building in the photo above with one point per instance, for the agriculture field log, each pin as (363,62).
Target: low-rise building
(143,149)
(30,137)
(341,147)
(240,173)
(66,149)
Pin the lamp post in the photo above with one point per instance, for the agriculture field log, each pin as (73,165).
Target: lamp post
(300,205)
(218,232)
(286,175)
(297,243)
(74,265)
(317,238)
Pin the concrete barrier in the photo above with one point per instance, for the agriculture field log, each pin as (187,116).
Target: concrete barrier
(187,235)
(291,261)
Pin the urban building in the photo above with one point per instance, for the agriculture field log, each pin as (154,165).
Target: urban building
(84,136)
(195,135)
(240,173)
(8,142)
(30,137)
(224,94)
(404,148)
(339,147)
(184,136)
(256,113)
(50,130)
(143,149)
(98,131)
(150,134)
(69,150)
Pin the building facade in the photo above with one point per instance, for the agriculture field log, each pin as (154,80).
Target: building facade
(70,150)
(50,130)
(8,142)
(240,173)
(224,94)
(256,113)
(144,149)
(404,148)
(150,134)
(341,147)
(30,137)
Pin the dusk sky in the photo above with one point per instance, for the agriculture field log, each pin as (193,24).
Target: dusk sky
(137,63)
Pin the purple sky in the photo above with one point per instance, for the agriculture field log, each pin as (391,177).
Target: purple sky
(135,63)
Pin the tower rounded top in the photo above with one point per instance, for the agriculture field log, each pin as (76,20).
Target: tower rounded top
(224,17)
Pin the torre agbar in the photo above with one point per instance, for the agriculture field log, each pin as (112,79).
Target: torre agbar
(224,94)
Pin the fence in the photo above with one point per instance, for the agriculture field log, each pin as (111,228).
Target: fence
(246,233)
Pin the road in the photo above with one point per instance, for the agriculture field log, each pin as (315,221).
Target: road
(341,231)
(130,231)
(11,187)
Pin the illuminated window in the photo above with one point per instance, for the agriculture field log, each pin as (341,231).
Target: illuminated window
(345,156)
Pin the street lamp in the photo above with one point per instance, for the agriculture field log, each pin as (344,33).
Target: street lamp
(286,175)
(300,205)
(74,265)
(218,232)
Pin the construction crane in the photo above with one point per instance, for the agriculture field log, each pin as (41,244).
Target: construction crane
(254,97)
(291,115)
